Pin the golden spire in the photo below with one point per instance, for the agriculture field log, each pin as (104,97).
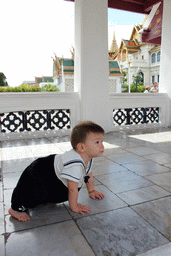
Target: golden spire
(114,46)
(114,50)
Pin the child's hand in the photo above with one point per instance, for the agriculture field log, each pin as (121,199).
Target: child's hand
(95,194)
(81,209)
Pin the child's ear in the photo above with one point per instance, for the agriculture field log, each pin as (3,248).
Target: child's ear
(80,147)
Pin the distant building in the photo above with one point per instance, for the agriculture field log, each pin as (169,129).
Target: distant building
(115,74)
(30,83)
(140,55)
(43,79)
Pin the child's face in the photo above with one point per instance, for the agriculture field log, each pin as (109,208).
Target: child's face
(94,145)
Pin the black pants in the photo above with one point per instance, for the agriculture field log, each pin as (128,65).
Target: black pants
(38,184)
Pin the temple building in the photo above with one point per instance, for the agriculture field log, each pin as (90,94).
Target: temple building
(63,71)
(140,53)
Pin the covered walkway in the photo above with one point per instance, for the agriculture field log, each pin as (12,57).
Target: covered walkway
(134,217)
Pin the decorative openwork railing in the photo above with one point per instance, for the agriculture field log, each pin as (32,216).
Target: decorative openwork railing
(38,120)
(134,116)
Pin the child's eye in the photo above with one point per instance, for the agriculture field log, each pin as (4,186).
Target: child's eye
(97,142)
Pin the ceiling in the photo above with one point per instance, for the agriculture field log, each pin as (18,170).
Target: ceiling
(138,6)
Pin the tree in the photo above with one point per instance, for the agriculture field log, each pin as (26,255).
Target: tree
(50,88)
(3,81)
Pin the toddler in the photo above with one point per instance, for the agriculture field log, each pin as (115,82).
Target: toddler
(58,178)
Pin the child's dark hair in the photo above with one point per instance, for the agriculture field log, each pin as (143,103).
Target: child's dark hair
(80,131)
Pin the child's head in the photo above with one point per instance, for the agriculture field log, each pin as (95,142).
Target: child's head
(148,88)
(80,132)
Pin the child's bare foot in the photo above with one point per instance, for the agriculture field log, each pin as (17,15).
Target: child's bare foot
(21,216)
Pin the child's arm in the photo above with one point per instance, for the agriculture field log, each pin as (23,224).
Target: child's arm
(73,196)
(90,187)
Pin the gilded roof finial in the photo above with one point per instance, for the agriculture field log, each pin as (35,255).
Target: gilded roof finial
(114,46)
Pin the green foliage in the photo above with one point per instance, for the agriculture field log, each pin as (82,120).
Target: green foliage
(124,77)
(26,88)
(140,88)
(125,88)
(50,88)
(3,80)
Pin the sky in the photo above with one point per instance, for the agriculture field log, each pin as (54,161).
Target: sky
(32,31)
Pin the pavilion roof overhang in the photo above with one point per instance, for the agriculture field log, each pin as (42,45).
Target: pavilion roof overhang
(138,6)
(151,32)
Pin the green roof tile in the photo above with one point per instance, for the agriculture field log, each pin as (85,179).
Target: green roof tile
(67,62)
(39,80)
(48,79)
(115,71)
(113,64)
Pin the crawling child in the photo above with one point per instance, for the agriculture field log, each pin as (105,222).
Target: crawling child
(58,178)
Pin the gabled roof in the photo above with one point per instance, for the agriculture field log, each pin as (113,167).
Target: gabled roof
(131,45)
(151,33)
(135,31)
(114,68)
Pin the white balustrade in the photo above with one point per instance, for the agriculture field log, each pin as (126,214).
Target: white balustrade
(14,102)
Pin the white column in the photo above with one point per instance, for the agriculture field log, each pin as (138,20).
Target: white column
(165,63)
(91,68)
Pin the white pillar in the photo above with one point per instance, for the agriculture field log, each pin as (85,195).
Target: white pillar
(91,67)
(165,63)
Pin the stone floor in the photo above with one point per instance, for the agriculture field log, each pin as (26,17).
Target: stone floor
(134,217)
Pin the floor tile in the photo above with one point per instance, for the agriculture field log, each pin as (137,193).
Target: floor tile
(40,216)
(1,218)
(161,158)
(146,167)
(59,239)
(57,140)
(155,137)
(13,143)
(126,176)
(125,158)
(162,179)
(15,153)
(143,195)
(44,150)
(114,151)
(123,181)
(109,202)
(158,214)
(1,192)
(105,167)
(164,250)
(2,246)
(63,147)
(120,232)
(16,165)
(142,151)
(7,199)
(168,164)
(11,179)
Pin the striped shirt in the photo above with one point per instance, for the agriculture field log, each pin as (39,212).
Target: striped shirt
(70,166)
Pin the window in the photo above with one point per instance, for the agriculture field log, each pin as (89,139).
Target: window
(142,57)
(153,79)
(158,78)
(153,57)
(158,56)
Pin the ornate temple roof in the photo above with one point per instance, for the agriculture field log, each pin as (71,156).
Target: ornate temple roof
(114,68)
(113,52)
(68,63)
(139,6)
(151,33)
(131,45)
(68,67)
